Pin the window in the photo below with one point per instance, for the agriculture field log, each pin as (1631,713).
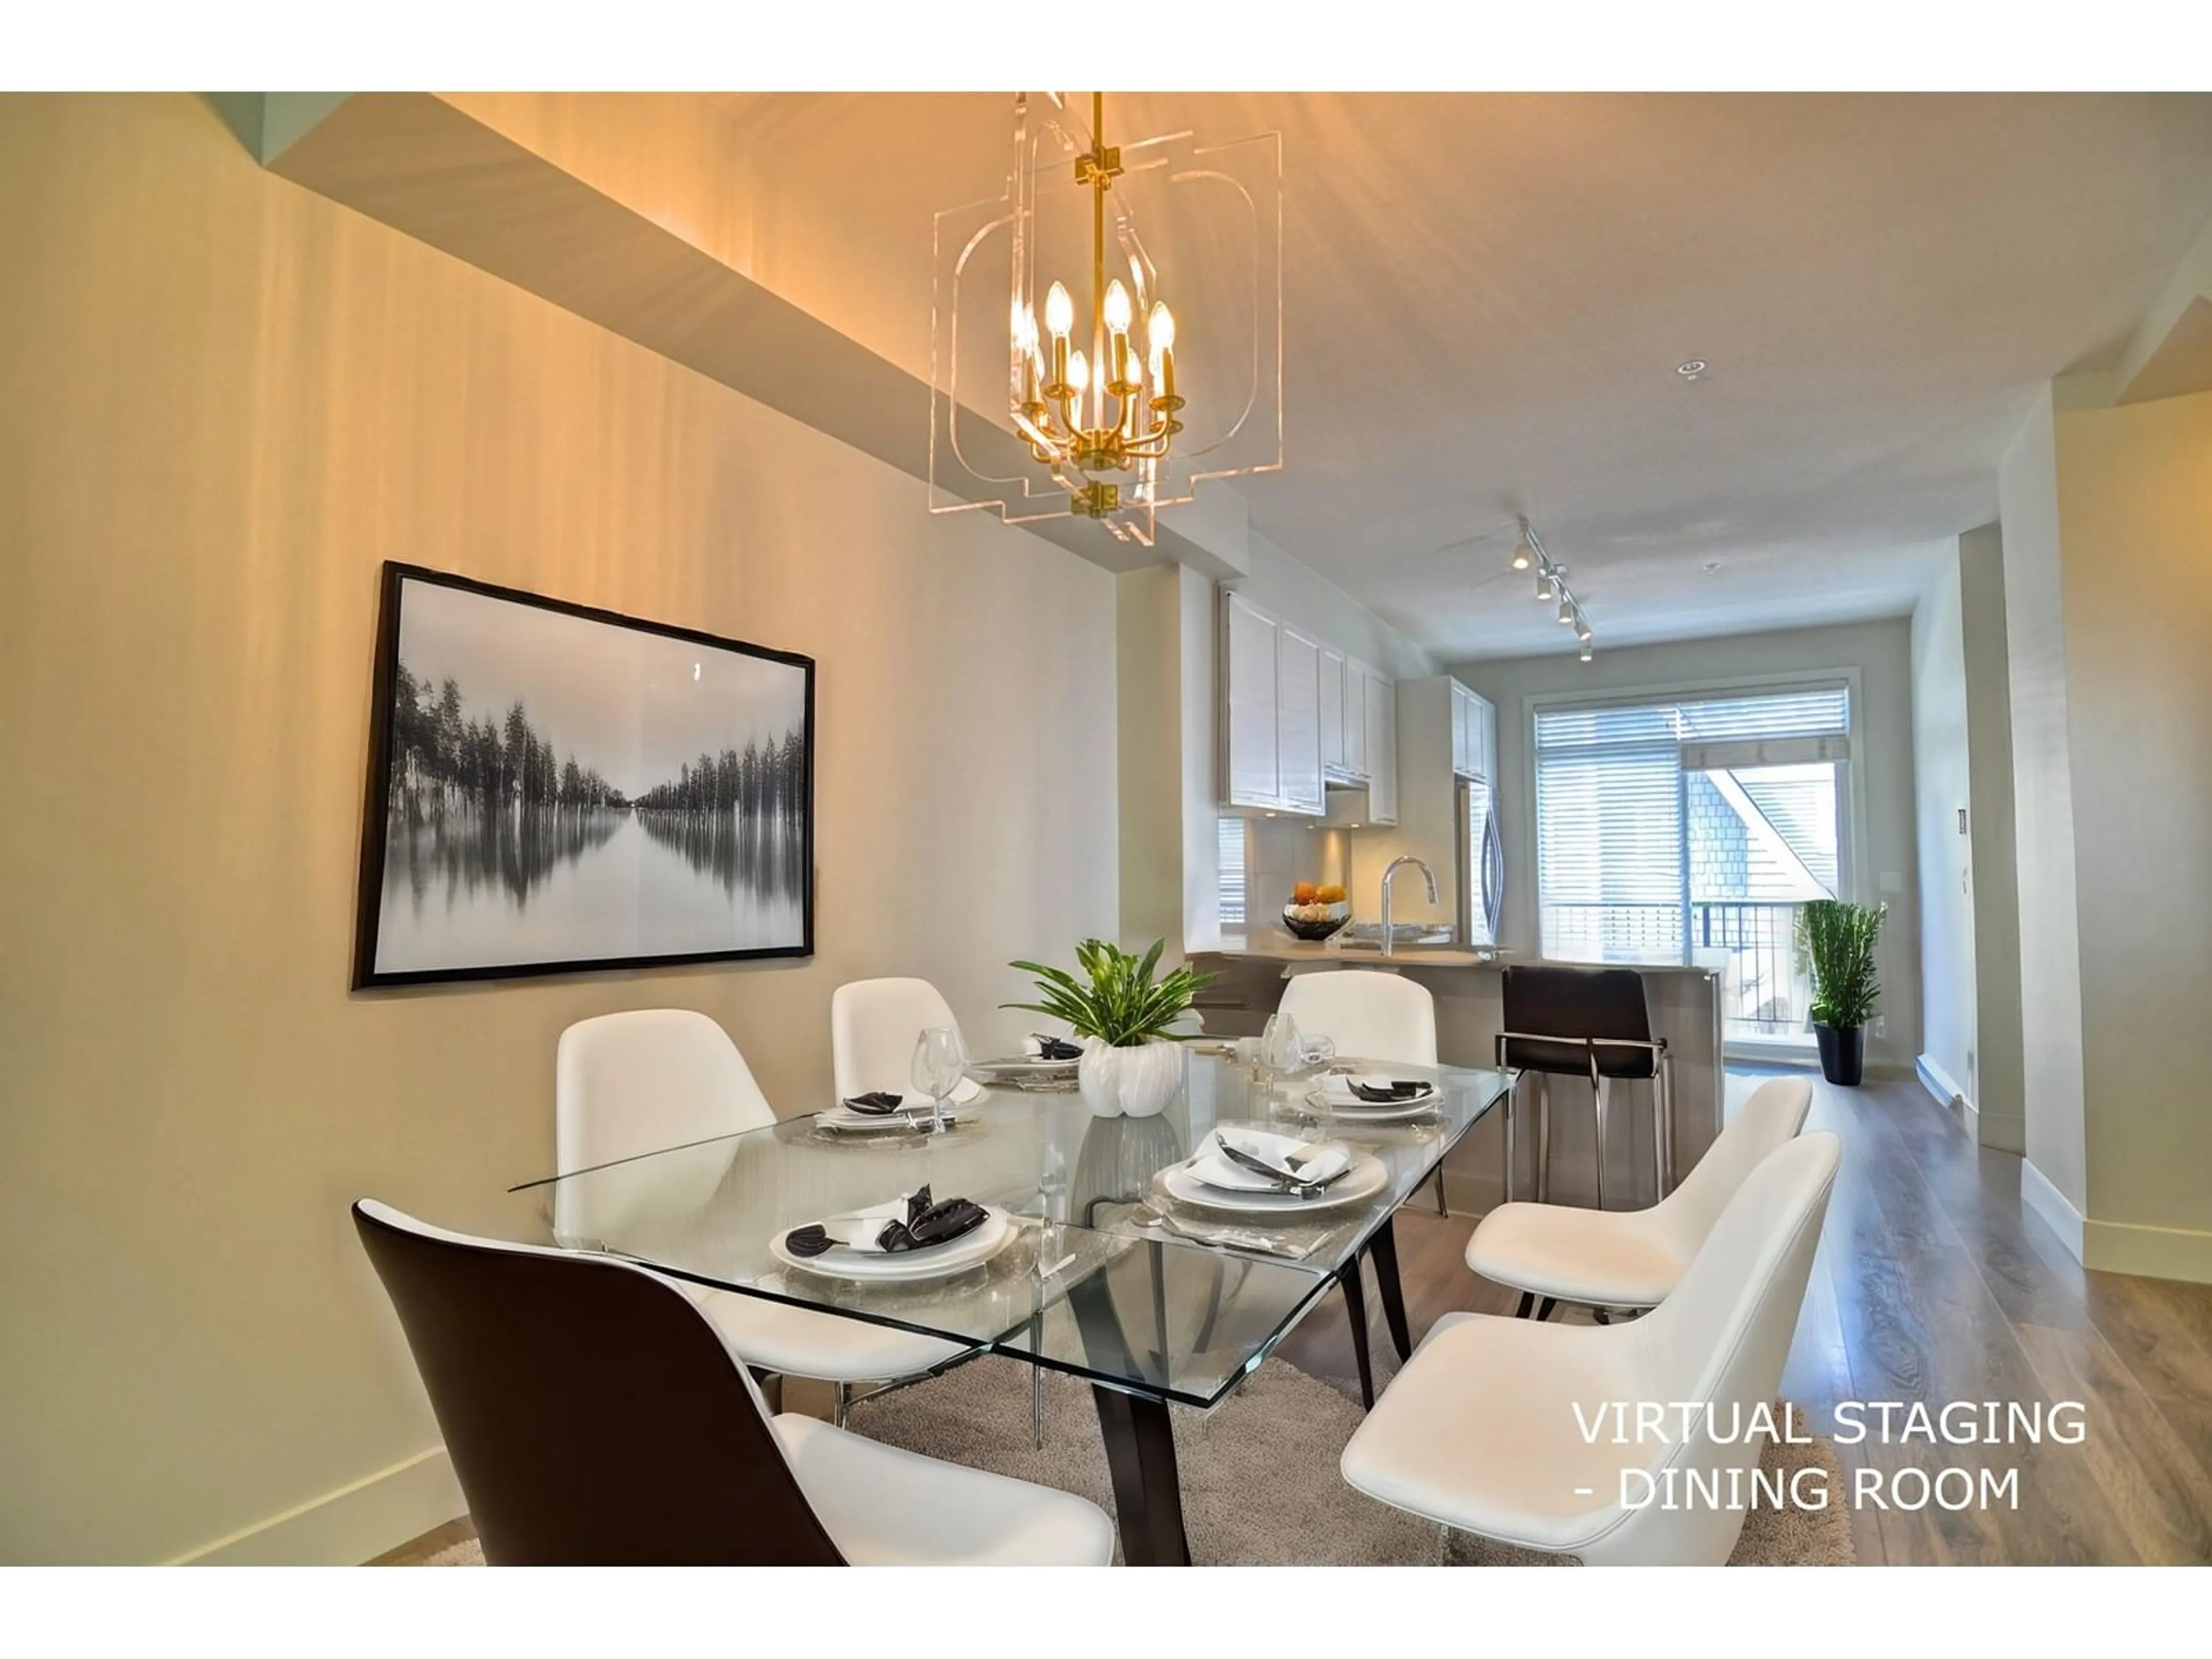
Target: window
(1232,880)
(1690,830)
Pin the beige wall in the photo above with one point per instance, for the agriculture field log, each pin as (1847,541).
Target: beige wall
(2135,522)
(227,400)
(2043,813)
(1881,652)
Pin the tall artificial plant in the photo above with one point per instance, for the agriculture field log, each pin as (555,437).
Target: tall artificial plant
(1837,942)
(1121,1003)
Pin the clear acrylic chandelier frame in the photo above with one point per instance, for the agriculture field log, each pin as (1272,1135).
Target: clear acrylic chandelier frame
(1197,224)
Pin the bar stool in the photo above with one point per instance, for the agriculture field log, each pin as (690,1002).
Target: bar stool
(1592,1023)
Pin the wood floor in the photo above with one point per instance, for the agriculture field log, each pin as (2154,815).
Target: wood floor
(1933,1286)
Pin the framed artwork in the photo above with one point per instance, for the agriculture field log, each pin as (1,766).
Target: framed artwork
(554,788)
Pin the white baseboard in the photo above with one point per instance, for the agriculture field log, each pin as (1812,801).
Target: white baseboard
(2057,1210)
(2118,1246)
(1942,1084)
(342,1528)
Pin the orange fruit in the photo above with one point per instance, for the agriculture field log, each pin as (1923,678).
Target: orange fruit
(1305,893)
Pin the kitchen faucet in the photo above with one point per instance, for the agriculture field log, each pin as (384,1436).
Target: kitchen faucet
(1396,864)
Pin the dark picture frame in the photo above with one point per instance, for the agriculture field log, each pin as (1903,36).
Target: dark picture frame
(477,827)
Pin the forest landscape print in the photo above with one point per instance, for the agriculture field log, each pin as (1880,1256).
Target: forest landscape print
(557,789)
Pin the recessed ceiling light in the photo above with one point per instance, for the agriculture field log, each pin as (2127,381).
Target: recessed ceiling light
(1691,370)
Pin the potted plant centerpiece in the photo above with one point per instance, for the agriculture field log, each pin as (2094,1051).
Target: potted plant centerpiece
(1838,941)
(1131,1063)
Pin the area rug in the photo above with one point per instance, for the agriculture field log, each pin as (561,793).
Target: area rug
(1259,1479)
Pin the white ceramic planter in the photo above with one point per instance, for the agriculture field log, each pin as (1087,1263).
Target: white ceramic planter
(1135,1082)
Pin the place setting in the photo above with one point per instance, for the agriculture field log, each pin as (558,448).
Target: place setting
(1243,1168)
(942,1088)
(1367,1095)
(1045,1065)
(914,1235)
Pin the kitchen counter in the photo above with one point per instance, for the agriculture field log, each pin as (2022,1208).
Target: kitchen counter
(1281,947)
(1468,986)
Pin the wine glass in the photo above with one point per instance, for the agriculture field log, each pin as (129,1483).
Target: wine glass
(1281,1053)
(940,1060)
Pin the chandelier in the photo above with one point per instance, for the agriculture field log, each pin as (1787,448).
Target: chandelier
(1087,414)
(1056,386)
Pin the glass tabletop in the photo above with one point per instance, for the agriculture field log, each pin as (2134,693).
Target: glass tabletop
(1113,1266)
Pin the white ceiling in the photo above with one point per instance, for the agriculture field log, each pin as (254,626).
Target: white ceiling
(1485,298)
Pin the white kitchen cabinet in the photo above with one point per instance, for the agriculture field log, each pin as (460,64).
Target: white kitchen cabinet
(1356,677)
(1252,769)
(1382,731)
(1482,737)
(1298,720)
(1473,735)
(1332,713)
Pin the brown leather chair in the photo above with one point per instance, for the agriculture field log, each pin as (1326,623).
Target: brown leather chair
(594,1416)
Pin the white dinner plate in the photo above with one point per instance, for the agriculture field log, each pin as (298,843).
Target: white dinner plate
(1025,1068)
(937,1262)
(1362,1111)
(1368,1177)
(908,1120)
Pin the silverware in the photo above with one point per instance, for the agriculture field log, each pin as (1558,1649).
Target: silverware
(1235,1238)
(1286,1180)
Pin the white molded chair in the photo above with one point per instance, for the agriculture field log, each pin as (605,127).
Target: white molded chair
(1480,1432)
(594,1417)
(874,1026)
(652,1079)
(1368,1014)
(1608,1259)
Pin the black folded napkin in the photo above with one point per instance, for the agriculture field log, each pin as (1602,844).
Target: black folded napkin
(877,1103)
(1052,1047)
(1383,1094)
(926,1223)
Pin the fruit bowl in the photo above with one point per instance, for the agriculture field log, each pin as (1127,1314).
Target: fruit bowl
(1315,921)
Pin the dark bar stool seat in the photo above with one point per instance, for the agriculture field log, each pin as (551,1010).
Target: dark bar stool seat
(1591,1023)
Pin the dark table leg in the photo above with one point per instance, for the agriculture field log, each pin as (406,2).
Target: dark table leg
(1384,1248)
(1355,1309)
(1147,1495)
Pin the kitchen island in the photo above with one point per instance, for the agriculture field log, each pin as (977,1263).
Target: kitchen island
(1469,988)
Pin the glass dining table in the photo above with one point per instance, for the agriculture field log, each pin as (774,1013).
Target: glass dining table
(1115,1267)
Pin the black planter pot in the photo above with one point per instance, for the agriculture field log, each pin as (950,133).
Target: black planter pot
(1843,1054)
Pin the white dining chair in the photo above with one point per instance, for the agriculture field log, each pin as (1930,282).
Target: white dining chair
(652,1079)
(1368,1014)
(1489,1427)
(1632,1259)
(594,1418)
(874,1024)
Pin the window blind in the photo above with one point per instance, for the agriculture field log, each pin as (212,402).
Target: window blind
(1230,882)
(1613,853)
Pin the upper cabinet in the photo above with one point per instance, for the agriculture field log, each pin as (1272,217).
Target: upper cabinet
(1357,676)
(1297,728)
(1381,724)
(1252,768)
(1473,735)
(1297,715)
(1332,713)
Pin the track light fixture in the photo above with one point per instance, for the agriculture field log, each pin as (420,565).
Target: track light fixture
(1551,584)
